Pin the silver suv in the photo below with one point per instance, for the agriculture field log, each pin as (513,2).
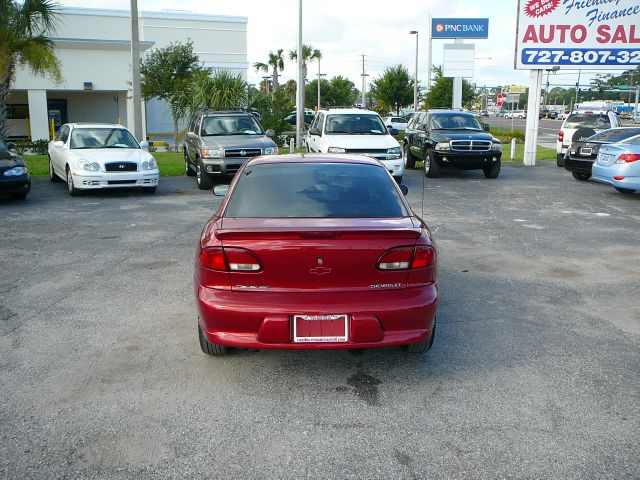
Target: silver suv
(218,143)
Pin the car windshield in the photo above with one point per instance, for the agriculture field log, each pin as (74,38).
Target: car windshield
(587,120)
(614,135)
(454,121)
(315,190)
(355,124)
(102,138)
(230,125)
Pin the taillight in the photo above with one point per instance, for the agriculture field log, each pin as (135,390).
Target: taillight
(404,258)
(229,260)
(628,158)
(560,136)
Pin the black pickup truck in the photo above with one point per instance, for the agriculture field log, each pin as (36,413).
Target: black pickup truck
(451,139)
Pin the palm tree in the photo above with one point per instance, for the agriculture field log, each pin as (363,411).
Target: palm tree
(276,61)
(308,54)
(24,30)
(222,91)
(291,90)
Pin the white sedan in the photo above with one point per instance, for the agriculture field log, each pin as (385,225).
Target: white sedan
(398,123)
(94,156)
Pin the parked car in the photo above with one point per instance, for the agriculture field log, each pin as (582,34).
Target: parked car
(500,113)
(315,252)
(451,139)
(580,125)
(15,180)
(618,164)
(99,155)
(484,113)
(398,123)
(546,113)
(581,154)
(292,118)
(516,114)
(347,130)
(218,143)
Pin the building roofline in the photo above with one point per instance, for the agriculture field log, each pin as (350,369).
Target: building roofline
(97,42)
(162,15)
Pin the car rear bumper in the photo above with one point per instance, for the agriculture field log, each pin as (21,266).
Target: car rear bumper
(264,319)
(10,185)
(467,160)
(578,166)
(87,181)
(606,174)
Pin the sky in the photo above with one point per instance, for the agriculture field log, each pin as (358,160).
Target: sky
(344,30)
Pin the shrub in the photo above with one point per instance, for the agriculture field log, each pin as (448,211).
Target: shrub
(22,146)
(505,134)
(39,147)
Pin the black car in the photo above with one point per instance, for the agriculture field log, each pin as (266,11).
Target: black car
(291,119)
(14,176)
(582,153)
(451,139)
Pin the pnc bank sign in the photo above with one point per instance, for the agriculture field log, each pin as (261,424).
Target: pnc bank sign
(459,28)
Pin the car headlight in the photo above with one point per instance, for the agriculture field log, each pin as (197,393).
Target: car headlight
(336,150)
(15,172)
(212,153)
(443,146)
(496,146)
(394,151)
(149,164)
(90,167)
(270,151)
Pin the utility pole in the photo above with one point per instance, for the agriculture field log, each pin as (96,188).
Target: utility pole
(415,78)
(135,73)
(300,83)
(577,88)
(429,66)
(364,85)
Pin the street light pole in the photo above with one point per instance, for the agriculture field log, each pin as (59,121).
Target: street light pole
(319,84)
(415,79)
(300,83)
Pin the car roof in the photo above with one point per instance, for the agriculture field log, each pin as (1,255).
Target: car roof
(441,112)
(95,125)
(313,158)
(354,111)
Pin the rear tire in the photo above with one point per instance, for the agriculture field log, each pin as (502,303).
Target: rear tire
(560,159)
(583,177)
(424,346)
(431,167)
(203,179)
(212,349)
(188,171)
(625,190)
(409,158)
(492,171)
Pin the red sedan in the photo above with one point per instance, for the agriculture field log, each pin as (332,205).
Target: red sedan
(315,252)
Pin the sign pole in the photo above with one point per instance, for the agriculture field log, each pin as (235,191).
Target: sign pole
(457,87)
(429,66)
(533,112)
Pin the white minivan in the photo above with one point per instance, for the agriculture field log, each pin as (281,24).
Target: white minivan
(351,130)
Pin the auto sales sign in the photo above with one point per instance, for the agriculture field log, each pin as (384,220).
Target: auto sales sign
(578,34)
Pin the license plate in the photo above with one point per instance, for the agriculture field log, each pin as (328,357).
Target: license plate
(604,159)
(320,328)
(585,151)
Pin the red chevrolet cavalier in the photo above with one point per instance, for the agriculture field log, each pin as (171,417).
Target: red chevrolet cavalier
(315,252)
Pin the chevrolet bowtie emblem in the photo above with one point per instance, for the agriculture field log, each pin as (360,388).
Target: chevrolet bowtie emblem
(320,270)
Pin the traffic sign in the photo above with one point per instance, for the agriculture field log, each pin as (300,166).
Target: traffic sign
(499,102)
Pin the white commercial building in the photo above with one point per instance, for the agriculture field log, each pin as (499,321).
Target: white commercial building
(94,49)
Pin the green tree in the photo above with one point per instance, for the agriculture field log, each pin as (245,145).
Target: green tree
(441,93)
(311,93)
(221,91)
(276,62)
(394,88)
(166,74)
(273,110)
(342,92)
(24,40)
(309,54)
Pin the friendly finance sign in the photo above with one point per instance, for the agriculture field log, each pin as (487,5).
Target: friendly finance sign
(459,28)
(576,34)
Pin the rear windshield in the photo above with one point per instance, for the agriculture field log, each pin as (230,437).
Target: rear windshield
(315,190)
(585,120)
(615,135)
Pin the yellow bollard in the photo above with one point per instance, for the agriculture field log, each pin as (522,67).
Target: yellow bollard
(52,129)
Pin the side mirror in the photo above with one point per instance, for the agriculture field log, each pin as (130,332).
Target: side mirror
(58,144)
(404,189)
(270,133)
(220,190)
(393,131)
(314,131)
(144,145)
(11,146)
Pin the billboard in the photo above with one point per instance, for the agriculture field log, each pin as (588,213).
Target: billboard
(577,34)
(459,28)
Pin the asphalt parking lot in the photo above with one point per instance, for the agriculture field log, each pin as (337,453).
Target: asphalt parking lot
(533,374)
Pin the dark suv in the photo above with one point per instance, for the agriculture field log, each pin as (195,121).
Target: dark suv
(451,139)
(218,143)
